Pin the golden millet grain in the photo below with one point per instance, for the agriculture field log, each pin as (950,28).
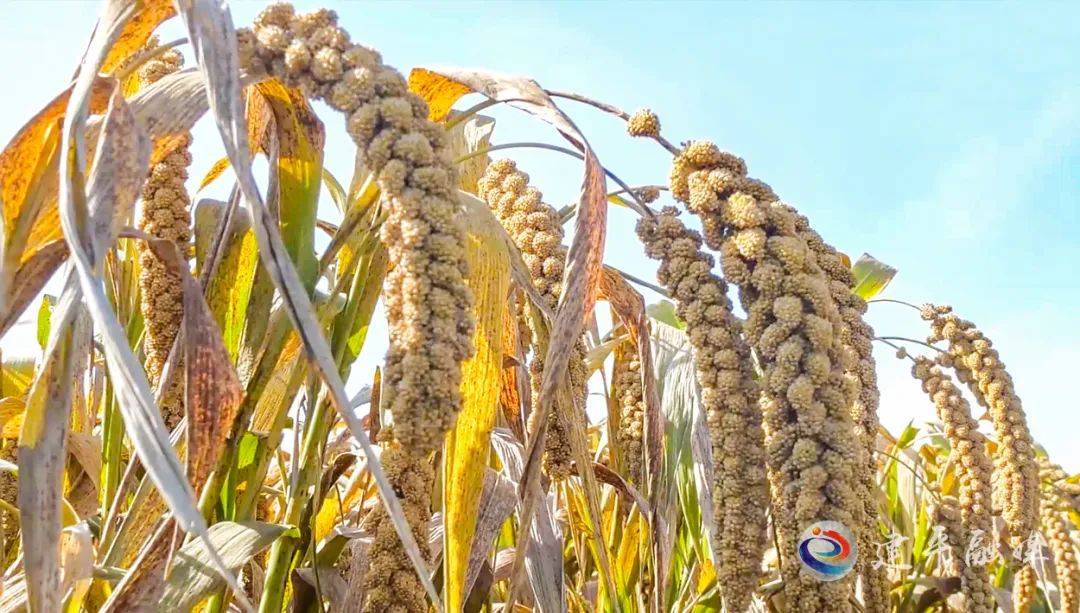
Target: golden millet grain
(427,301)
(857,339)
(1056,478)
(973,470)
(9,493)
(165,214)
(794,325)
(1025,586)
(978,365)
(391,582)
(729,395)
(643,123)
(536,230)
(1053,513)
(629,393)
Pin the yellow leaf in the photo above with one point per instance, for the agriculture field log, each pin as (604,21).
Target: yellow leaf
(438,91)
(334,508)
(845,259)
(467,445)
(137,31)
(16,377)
(300,138)
(259,117)
(871,276)
(215,171)
(29,182)
(11,417)
(230,289)
(26,158)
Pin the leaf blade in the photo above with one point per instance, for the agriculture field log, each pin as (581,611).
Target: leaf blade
(467,446)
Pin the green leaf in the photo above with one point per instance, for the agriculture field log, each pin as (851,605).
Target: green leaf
(44,319)
(665,311)
(871,276)
(299,160)
(192,577)
(336,191)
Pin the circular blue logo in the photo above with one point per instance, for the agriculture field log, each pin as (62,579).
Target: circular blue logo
(828,550)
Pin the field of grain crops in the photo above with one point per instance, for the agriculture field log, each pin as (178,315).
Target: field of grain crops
(545,432)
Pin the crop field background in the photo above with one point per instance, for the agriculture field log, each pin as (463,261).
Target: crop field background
(516,306)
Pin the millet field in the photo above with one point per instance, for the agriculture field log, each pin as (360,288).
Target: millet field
(544,431)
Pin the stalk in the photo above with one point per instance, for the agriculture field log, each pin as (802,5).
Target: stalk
(112,445)
(287,551)
(286,548)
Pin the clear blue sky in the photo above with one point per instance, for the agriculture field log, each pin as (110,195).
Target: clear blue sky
(942,138)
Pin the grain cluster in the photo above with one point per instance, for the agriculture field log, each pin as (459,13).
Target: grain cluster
(165,214)
(794,326)
(729,396)
(537,232)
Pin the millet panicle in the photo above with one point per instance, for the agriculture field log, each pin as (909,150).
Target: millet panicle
(857,340)
(629,394)
(537,232)
(1054,519)
(976,591)
(165,214)
(729,395)
(390,583)
(794,326)
(427,301)
(643,124)
(973,469)
(978,365)
(428,304)
(1024,588)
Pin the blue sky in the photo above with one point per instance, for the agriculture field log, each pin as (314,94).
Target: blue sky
(942,138)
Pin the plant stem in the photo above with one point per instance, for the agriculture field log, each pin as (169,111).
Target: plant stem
(613,110)
(469,112)
(285,549)
(264,372)
(909,340)
(112,445)
(894,301)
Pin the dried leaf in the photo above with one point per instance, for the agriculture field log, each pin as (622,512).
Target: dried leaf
(543,559)
(136,32)
(30,278)
(213,389)
(42,457)
(87,218)
(358,564)
(583,261)
(497,501)
(325,581)
(192,576)
(465,138)
(77,563)
(688,437)
(86,449)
